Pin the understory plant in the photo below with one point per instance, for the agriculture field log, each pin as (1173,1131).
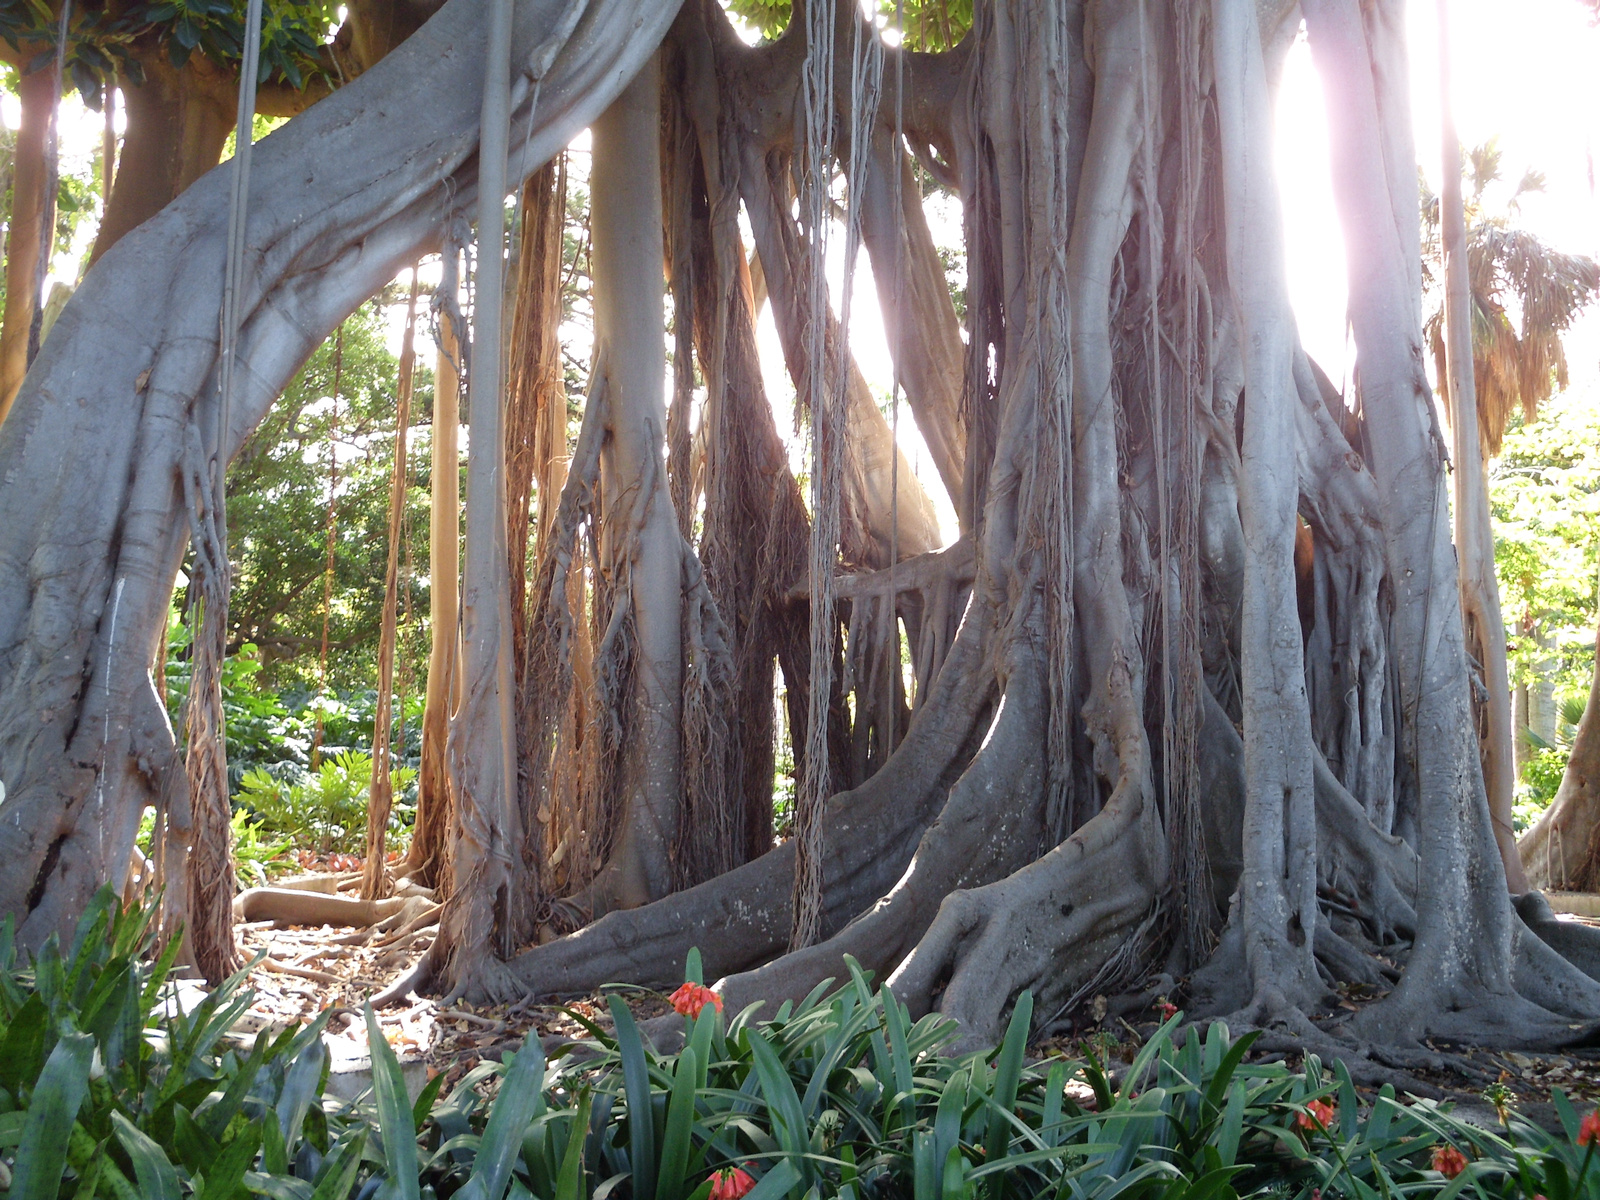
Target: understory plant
(110,1087)
(325,809)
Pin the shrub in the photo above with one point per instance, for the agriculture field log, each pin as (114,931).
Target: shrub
(108,1089)
(328,807)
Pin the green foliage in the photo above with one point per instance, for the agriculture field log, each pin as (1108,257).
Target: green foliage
(260,729)
(110,1089)
(278,511)
(279,801)
(327,809)
(104,39)
(257,854)
(1544,492)
(1547,764)
(929,24)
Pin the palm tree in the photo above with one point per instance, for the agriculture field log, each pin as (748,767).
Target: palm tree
(1515,364)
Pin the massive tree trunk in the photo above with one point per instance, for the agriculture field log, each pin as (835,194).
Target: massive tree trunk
(1131,359)
(32,212)
(641,548)
(1472,961)
(425,860)
(1125,722)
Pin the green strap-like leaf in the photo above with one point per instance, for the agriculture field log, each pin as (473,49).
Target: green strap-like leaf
(569,1183)
(339,1171)
(226,1175)
(508,1120)
(1007,1073)
(151,1167)
(636,1086)
(42,1153)
(394,1113)
(781,1179)
(301,1086)
(680,1123)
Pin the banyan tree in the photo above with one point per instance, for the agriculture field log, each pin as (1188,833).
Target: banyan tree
(1188,694)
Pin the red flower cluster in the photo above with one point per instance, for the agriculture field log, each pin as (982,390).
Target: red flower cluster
(1168,1010)
(730,1183)
(1589,1130)
(689,999)
(1319,1115)
(1449,1161)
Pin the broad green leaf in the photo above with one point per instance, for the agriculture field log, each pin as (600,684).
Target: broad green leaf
(636,1087)
(57,1097)
(514,1107)
(394,1112)
(154,1171)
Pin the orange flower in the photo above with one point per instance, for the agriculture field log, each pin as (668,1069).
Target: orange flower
(1449,1161)
(1589,1130)
(1318,1117)
(730,1183)
(689,999)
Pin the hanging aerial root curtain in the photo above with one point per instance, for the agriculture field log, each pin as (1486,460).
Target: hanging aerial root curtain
(210,874)
(426,860)
(375,881)
(477,923)
(536,471)
(828,414)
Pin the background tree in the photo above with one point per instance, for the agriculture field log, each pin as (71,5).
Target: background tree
(1544,487)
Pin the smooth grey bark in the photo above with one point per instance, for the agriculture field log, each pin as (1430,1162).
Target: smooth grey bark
(95,524)
(489,886)
(1277,898)
(1470,956)
(639,530)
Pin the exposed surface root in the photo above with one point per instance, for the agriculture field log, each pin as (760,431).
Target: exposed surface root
(296,907)
(1050,924)
(741,919)
(988,828)
(1575,941)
